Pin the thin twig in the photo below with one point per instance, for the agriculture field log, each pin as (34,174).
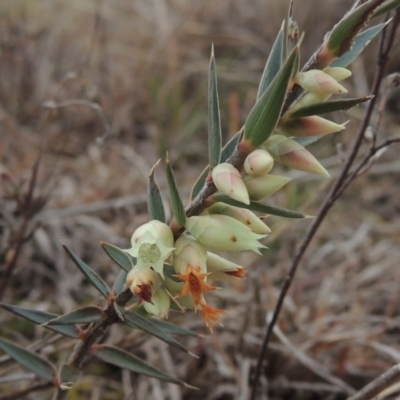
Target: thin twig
(383,57)
(20,393)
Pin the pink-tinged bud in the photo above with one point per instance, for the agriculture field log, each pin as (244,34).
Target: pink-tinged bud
(223,233)
(160,304)
(221,269)
(189,253)
(319,82)
(141,283)
(228,180)
(258,162)
(292,154)
(338,73)
(246,217)
(260,187)
(152,243)
(309,126)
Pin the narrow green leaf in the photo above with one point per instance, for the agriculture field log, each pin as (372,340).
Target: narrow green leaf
(341,37)
(265,114)
(32,361)
(254,206)
(83,315)
(40,318)
(176,202)
(120,282)
(214,119)
(94,278)
(67,376)
(292,31)
(329,106)
(306,141)
(137,321)
(118,256)
(154,204)
(274,62)
(172,328)
(386,7)
(123,359)
(227,151)
(360,42)
(170,273)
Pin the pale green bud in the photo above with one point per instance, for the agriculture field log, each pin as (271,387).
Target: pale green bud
(292,154)
(189,252)
(258,162)
(221,269)
(319,82)
(228,180)
(338,73)
(260,187)
(223,233)
(160,304)
(246,217)
(152,243)
(309,126)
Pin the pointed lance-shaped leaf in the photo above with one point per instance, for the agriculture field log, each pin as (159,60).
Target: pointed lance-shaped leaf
(259,207)
(170,328)
(37,364)
(83,315)
(274,62)
(137,321)
(67,376)
(40,318)
(341,37)
(292,30)
(120,282)
(308,140)
(123,359)
(176,202)
(93,277)
(386,7)
(329,106)
(265,114)
(227,151)
(118,256)
(360,42)
(214,119)
(154,201)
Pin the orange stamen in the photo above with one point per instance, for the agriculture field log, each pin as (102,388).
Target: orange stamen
(210,314)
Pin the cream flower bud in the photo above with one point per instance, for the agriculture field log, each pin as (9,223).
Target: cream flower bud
(246,217)
(337,73)
(309,126)
(152,243)
(228,180)
(260,187)
(141,283)
(292,154)
(223,233)
(160,303)
(221,269)
(258,162)
(189,252)
(319,82)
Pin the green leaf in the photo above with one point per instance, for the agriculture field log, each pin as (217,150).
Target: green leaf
(94,279)
(341,37)
(172,328)
(214,119)
(176,202)
(154,205)
(83,315)
(67,376)
(306,141)
(40,318)
(274,62)
(123,359)
(118,256)
(386,7)
(255,206)
(292,30)
(227,151)
(30,360)
(120,282)
(137,321)
(360,42)
(265,114)
(329,106)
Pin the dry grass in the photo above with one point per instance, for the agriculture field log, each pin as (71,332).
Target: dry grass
(130,82)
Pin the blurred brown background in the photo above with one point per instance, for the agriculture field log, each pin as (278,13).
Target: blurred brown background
(100,90)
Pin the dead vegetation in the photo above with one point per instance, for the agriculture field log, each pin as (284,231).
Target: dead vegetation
(93,93)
